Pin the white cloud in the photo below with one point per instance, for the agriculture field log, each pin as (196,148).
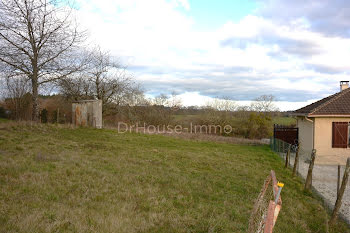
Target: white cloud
(194,98)
(183,3)
(243,60)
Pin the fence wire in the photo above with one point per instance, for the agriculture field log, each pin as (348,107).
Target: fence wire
(324,177)
(264,212)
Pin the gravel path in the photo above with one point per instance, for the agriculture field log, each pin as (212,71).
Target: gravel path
(324,180)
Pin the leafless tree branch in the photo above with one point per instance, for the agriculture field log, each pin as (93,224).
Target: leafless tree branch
(39,39)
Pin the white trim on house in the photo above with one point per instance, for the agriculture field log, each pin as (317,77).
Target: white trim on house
(328,116)
(309,116)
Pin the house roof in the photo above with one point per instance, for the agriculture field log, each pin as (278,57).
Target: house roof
(337,104)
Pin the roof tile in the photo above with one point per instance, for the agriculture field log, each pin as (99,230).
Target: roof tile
(337,104)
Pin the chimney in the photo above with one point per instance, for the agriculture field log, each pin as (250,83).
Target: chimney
(344,85)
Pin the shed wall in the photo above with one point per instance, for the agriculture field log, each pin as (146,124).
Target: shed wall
(87,113)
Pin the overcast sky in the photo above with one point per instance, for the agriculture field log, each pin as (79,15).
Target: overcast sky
(296,50)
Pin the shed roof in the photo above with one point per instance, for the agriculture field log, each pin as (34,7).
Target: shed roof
(337,104)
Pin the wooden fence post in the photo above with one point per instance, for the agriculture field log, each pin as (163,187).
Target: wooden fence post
(308,181)
(287,157)
(296,160)
(341,193)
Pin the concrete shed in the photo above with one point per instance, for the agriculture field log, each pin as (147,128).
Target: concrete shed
(87,113)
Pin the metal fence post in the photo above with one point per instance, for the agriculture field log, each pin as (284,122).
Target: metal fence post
(271,143)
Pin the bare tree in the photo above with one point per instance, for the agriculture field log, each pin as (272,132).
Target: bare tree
(109,80)
(75,88)
(38,39)
(222,104)
(264,103)
(172,101)
(161,99)
(175,101)
(16,97)
(104,79)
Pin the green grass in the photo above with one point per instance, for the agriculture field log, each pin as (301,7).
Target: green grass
(56,179)
(186,119)
(3,120)
(284,120)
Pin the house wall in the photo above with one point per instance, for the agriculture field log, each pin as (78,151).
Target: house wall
(306,129)
(323,142)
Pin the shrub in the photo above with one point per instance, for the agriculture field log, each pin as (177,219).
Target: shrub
(259,126)
(3,112)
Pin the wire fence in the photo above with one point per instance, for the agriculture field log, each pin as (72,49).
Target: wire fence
(325,179)
(266,207)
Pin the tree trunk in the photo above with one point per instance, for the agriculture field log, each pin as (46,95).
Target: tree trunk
(35,110)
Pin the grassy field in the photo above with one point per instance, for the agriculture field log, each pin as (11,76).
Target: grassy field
(58,179)
(284,120)
(186,119)
(3,120)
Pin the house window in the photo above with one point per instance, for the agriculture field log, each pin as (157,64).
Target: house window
(340,132)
